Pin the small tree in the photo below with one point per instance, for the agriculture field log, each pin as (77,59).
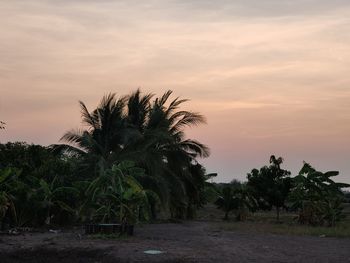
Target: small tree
(236,197)
(270,185)
(226,201)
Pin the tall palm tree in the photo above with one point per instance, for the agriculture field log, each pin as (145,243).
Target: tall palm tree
(178,153)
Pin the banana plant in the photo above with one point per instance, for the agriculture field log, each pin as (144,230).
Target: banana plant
(51,193)
(117,195)
(317,196)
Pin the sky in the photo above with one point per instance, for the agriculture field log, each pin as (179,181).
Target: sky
(271,77)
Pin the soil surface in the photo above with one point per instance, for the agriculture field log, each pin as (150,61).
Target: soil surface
(185,242)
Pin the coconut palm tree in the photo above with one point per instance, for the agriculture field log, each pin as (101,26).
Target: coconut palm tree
(151,134)
(178,154)
(159,145)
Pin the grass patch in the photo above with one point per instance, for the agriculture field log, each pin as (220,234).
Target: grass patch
(265,223)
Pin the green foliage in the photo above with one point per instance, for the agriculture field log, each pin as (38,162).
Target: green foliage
(226,201)
(6,200)
(270,185)
(116,195)
(236,197)
(52,194)
(151,134)
(88,179)
(34,185)
(318,198)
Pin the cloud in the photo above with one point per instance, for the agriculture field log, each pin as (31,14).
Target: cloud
(261,69)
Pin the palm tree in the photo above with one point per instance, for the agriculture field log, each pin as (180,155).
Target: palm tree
(177,153)
(149,133)
(159,145)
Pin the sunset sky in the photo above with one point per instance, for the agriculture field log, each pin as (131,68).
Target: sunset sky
(271,77)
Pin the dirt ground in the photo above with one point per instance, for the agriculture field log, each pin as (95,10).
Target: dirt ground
(195,241)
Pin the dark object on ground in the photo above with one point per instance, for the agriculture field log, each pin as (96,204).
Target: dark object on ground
(109,229)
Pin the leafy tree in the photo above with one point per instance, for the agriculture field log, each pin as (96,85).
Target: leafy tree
(236,197)
(31,166)
(37,161)
(245,202)
(226,201)
(270,185)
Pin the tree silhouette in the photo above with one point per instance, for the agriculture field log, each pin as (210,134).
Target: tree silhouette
(149,133)
(317,196)
(270,185)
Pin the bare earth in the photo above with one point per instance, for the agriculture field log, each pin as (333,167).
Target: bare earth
(187,242)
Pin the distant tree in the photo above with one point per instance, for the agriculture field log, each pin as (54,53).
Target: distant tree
(236,197)
(236,184)
(270,185)
(226,201)
(2,125)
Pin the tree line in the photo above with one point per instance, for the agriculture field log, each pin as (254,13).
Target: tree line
(314,195)
(131,161)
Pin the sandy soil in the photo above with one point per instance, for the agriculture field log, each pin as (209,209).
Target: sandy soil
(187,242)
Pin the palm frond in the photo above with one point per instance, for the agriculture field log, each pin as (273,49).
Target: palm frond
(162,100)
(188,119)
(195,147)
(87,118)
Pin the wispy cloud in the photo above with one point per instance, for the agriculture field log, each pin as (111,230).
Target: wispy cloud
(274,69)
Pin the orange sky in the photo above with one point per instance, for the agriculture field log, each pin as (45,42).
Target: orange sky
(272,77)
